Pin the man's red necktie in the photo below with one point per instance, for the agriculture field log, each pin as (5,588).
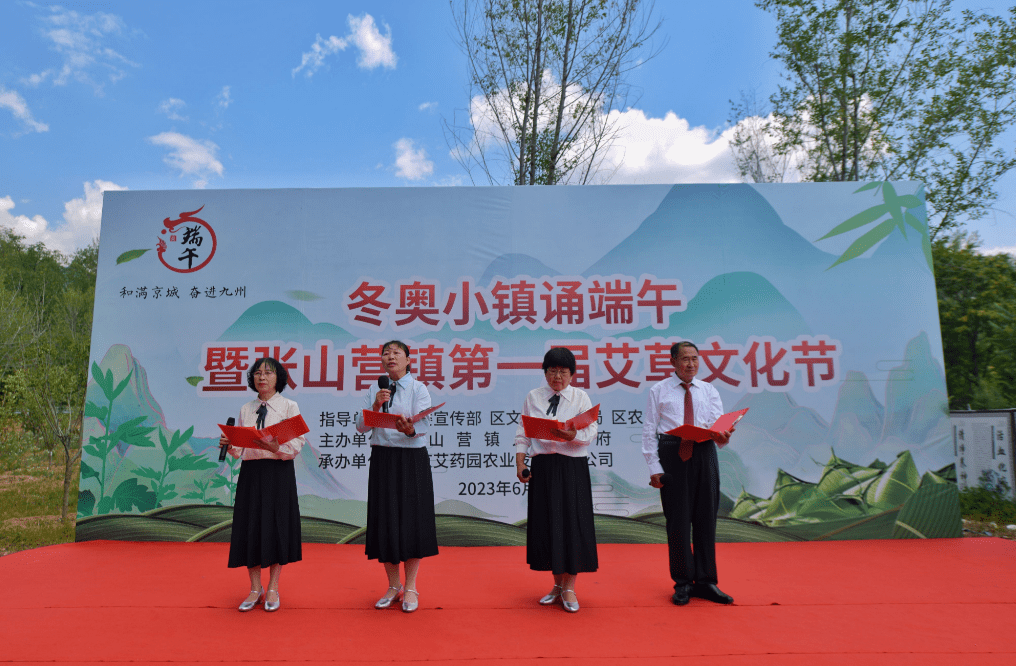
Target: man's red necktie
(687,445)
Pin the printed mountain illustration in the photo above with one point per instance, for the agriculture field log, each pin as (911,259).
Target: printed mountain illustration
(512,264)
(275,320)
(734,306)
(914,396)
(778,434)
(858,418)
(733,226)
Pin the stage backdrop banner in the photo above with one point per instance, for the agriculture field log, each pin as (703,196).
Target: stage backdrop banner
(813,305)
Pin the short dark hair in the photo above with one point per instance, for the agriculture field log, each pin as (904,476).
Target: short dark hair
(559,357)
(675,348)
(281,374)
(401,345)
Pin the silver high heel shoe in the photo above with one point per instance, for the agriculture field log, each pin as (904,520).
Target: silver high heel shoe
(250,605)
(551,598)
(272,606)
(386,601)
(570,606)
(410,606)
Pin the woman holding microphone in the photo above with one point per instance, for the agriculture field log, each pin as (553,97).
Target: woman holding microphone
(400,490)
(560,535)
(266,513)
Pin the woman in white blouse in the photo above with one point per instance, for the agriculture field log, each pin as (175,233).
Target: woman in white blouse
(560,535)
(400,490)
(266,512)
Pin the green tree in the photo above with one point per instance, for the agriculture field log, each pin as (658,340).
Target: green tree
(47,301)
(977,310)
(891,90)
(544,76)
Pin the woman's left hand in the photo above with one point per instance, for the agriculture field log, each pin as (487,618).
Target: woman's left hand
(405,426)
(269,442)
(723,437)
(566,435)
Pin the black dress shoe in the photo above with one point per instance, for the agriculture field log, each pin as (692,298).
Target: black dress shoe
(682,595)
(710,592)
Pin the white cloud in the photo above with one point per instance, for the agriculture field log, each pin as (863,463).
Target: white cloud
(80,220)
(193,157)
(10,99)
(171,106)
(81,40)
(667,150)
(375,49)
(427,106)
(411,164)
(223,100)
(998,250)
(644,149)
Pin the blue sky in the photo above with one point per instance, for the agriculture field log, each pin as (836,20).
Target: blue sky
(222,94)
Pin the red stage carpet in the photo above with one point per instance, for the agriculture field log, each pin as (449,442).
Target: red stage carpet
(848,602)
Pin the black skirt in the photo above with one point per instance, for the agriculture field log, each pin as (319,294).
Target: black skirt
(560,534)
(400,505)
(266,515)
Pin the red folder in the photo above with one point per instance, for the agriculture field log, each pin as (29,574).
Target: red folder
(537,428)
(246,437)
(696,434)
(382,420)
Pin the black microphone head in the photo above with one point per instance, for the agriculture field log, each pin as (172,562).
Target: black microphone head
(230,421)
(526,473)
(666,478)
(382,382)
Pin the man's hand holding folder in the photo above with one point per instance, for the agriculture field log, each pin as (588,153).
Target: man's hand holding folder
(719,432)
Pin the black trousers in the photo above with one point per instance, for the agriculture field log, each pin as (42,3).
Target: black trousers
(690,502)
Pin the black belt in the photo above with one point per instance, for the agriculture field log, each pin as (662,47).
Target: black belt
(670,439)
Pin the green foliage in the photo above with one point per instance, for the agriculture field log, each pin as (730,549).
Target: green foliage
(891,90)
(977,312)
(227,477)
(989,501)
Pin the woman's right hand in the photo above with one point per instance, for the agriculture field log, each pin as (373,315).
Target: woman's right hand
(223,442)
(518,472)
(383,396)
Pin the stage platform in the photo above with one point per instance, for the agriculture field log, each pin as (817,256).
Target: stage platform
(947,601)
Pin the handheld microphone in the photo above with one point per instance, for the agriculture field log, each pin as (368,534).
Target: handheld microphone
(222,449)
(382,383)
(666,478)
(525,473)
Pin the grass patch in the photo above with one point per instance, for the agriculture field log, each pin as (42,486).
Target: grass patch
(31,492)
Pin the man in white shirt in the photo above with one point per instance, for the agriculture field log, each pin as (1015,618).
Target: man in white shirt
(687,474)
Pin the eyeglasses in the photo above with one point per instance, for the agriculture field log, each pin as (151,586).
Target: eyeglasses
(264,373)
(558,372)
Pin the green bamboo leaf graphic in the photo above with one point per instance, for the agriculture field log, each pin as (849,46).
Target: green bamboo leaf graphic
(92,409)
(194,380)
(865,242)
(909,201)
(148,473)
(864,217)
(869,186)
(131,255)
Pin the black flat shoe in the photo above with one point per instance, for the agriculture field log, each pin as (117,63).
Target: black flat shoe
(710,592)
(681,595)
